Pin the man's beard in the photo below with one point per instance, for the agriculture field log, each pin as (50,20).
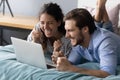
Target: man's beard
(80,40)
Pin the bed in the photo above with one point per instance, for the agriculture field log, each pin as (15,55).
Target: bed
(11,69)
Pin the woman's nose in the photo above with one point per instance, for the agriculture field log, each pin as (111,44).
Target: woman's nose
(46,26)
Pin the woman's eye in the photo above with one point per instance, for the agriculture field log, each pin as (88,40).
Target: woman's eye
(41,22)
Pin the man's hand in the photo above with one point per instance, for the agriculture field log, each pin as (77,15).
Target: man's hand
(63,64)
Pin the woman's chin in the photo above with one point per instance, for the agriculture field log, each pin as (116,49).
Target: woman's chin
(48,36)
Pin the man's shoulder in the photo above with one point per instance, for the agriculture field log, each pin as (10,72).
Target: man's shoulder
(101,35)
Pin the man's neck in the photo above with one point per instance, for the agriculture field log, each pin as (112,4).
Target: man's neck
(86,41)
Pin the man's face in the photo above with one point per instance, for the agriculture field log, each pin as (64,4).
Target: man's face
(74,33)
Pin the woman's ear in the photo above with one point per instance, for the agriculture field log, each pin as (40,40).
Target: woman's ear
(59,23)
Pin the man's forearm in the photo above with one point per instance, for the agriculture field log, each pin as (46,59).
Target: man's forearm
(97,73)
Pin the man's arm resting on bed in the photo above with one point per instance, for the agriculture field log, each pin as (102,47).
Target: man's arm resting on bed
(64,65)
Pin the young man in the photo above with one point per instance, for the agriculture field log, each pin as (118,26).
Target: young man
(90,43)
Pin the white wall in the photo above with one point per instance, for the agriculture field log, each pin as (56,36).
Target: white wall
(32,7)
(92,3)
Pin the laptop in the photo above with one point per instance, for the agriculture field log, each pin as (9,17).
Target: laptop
(30,53)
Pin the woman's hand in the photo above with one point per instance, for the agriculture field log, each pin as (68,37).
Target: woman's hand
(57,45)
(38,36)
(55,56)
(56,52)
(35,35)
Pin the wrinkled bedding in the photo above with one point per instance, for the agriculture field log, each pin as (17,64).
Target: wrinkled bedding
(11,69)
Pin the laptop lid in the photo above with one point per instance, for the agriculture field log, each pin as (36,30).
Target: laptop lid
(29,52)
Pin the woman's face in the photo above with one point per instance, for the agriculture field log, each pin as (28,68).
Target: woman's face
(49,25)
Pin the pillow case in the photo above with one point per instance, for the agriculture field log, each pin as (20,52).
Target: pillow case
(113,13)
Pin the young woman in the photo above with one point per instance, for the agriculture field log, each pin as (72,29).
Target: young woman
(50,29)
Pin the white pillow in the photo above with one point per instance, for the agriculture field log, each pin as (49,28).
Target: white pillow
(113,13)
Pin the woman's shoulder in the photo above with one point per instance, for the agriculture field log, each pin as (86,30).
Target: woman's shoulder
(63,38)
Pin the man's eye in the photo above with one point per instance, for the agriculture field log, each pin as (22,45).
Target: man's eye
(50,23)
